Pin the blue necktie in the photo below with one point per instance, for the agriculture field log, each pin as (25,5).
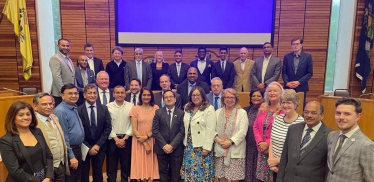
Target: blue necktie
(138,70)
(216,103)
(305,141)
(93,123)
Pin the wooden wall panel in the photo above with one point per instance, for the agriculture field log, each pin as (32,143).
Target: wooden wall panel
(11,75)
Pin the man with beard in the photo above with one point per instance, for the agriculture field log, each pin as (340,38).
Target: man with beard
(266,69)
(62,69)
(83,77)
(224,69)
(203,65)
(133,96)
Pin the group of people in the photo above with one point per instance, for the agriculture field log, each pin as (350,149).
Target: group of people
(243,75)
(197,133)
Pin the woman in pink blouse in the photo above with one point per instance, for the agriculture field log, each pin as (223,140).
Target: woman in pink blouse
(262,129)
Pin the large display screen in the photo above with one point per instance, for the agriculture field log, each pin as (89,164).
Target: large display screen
(194,22)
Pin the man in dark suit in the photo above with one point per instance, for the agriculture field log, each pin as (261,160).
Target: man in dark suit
(214,97)
(266,69)
(140,69)
(105,93)
(224,69)
(116,68)
(168,130)
(165,85)
(297,68)
(203,65)
(62,69)
(178,70)
(304,155)
(133,96)
(186,86)
(94,63)
(83,77)
(97,126)
(350,152)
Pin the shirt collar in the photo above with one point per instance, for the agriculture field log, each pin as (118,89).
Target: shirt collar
(69,106)
(101,91)
(315,128)
(189,84)
(243,61)
(42,118)
(202,60)
(172,110)
(350,133)
(88,104)
(81,68)
(219,95)
(267,59)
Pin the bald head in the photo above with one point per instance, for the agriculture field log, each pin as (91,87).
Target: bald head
(82,61)
(192,75)
(313,113)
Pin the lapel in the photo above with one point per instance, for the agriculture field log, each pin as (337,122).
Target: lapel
(65,62)
(197,115)
(166,117)
(219,67)
(85,119)
(99,115)
(174,117)
(57,123)
(269,66)
(144,72)
(334,139)
(291,62)
(40,139)
(158,98)
(301,61)
(79,76)
(316,139)
(298,138)
(17,141)
(237,66)
(42,126)
(347,144)
(247,65)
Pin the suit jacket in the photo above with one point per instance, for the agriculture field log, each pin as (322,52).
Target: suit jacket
(354,162)
(173,73)
(243,78)
(158,98)
(183,90)
(272,73)
(60,132)
(164,134)
(130,73)
(103,126)
(111,98)
(61,73)
(309,167)
(204,76)
(227,76)
(17,159)
(304,71)
(98,65)
(203,128)
(79,78)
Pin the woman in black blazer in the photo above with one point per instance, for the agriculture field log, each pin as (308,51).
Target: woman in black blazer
(159,68)
(23,148)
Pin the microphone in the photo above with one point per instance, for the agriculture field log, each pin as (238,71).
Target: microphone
(365,95)
(22,93)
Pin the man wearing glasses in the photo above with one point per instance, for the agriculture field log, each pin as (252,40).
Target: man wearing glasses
(266,69)
(52,132)
(214,97)
(73,130)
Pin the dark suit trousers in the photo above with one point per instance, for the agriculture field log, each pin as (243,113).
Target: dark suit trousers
(58,100)
(75,174)
(97,164)
(169,167)
(59,173)
(124,155)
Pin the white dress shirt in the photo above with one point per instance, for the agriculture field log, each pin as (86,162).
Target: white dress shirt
(201,64)
(90,62)
(312,134)
(264,67)
(107,94)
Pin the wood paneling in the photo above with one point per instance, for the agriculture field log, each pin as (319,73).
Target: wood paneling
(11,75)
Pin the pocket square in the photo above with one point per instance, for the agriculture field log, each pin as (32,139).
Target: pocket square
(175,116)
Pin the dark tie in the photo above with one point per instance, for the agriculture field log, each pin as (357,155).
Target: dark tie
(134,100)
(216,103)
(169,116)
(104,98)
(305,141)
(49,122)
(223,66)
(342,138)
(93,123)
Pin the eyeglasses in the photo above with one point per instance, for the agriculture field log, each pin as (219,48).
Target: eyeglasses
(216,86)
(71,93)
(232,98)
(195,95)
(168,97)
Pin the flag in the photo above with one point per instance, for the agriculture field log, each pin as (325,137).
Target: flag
(15,11)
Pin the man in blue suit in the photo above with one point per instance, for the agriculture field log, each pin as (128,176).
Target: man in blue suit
(224,69)
(203,66)
(297,68)
(83,76)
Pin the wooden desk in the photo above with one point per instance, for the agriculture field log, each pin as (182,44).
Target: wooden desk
(366,122)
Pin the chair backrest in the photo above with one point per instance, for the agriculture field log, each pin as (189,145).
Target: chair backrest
(29,90)
(342,93)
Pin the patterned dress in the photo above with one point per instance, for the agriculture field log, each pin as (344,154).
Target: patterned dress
(263,171)
(251,148)
(196,167)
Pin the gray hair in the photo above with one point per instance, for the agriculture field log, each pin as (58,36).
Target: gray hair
(291,95)
(40,95)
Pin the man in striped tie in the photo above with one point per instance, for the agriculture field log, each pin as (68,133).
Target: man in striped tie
(309,161)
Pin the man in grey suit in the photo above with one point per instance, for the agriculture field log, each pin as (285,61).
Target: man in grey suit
(62,69)
(214,97)
(140,69)
(165,85)
(304,155)
(168,130)
(83,77)
(350,152)
(266,69)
